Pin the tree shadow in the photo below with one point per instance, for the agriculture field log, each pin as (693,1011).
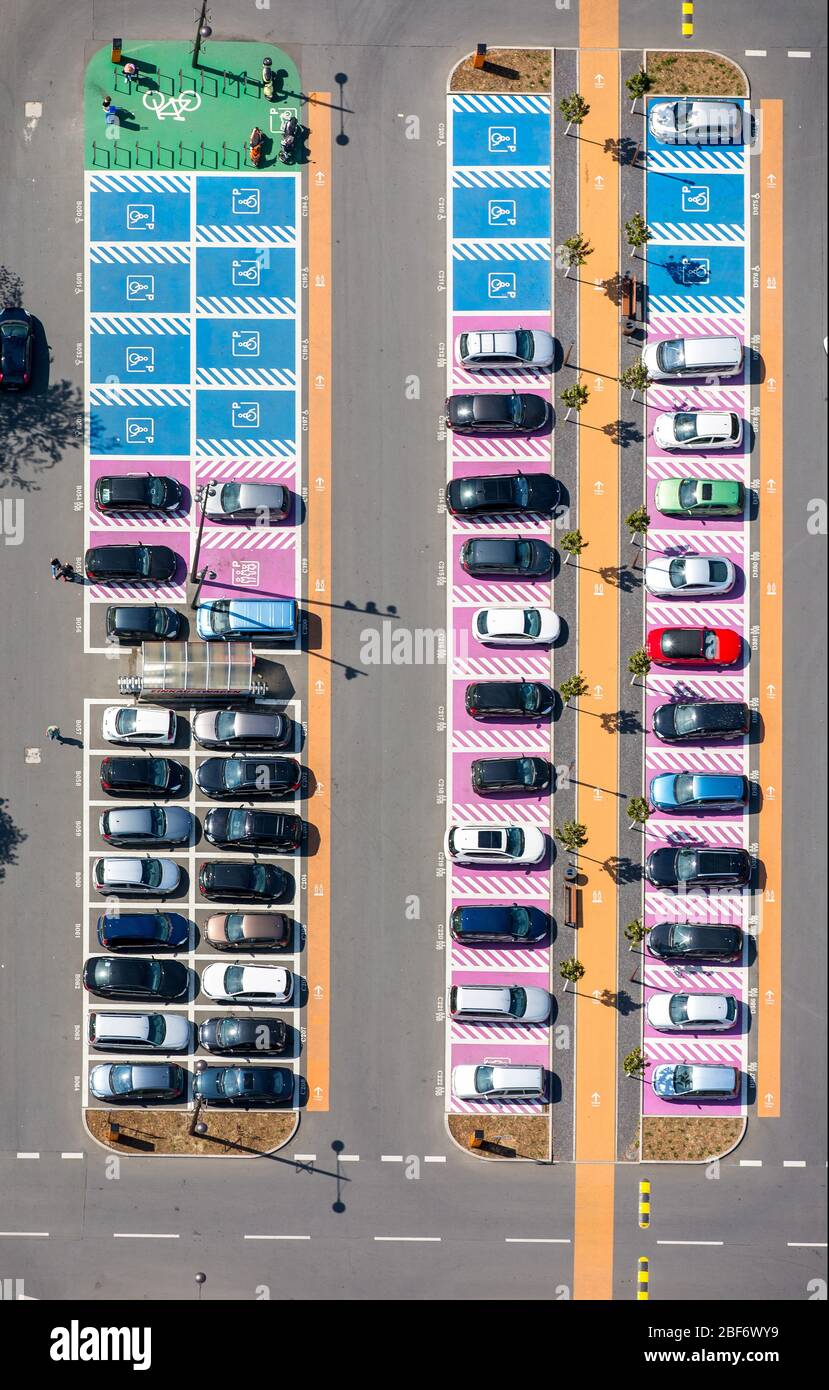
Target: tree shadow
(623,433)
(614,287)
(621,1001)
(621,721)
(621,577)
(36,430)
(624,150)
(623,869)
(10,837)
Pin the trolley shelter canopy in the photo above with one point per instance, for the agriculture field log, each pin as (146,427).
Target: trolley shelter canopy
(177,670)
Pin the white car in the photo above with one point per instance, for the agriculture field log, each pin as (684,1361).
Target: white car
(692,1013)
(689,576)
(500,1003)
(515,626)
(248,502)
(247,984)
(124,873)
(495,844)
(698,429)
(505,347)
(139,724)
(668,358)
(692,121)
(509,1082)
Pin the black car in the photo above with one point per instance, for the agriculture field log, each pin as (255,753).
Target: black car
(694,941)
(144,931)
(244,1086)
(510,775)
(118,977)
(495,925)
(509,700)
(137,492)
(143,776)
(245,778)
(246,882)
(510,555)
(503,492)
(16,339)
(141,623)
(703,719)
(244,1036)
(130,563)
(493,412)
(699,868)
(270,830)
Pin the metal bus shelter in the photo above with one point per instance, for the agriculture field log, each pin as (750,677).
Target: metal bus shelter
(194,671)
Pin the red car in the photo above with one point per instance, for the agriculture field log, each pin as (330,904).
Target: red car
(694,646)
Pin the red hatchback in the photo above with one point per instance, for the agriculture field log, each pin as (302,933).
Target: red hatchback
(694,646)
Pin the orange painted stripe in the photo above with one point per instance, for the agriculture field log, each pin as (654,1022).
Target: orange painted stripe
(598,28)
(598,634)
(769,953)
(318,540)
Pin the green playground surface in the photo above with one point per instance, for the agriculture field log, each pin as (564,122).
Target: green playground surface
(178,116)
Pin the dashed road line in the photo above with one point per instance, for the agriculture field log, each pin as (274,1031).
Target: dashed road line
(798,52)
(391,1158)
(145,1235)
(806,1244)
(264,1237)
(755,53)
(424,1240)
(794,1163)
(690,1242)
(348,1158)
(73,1155)
(537,1240)
(751,1162)
(25,1235)
(434,1158)
(28,1155)
(305,1158)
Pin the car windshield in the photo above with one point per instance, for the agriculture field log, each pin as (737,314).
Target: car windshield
(483,1080)
(234,975)
(157,772)
(126,721)
(717,571)
(521,491)
(686,864)
(687,493)
(682,115)
(517,1001)
(526,771)
(233,927)
(677,574)
(226,724)
(151,873)
(678,1008)
(230,497)
(709,645)
(142,560)
(120,1080)
(683,789)
(158,823)
(157,1030)
(671,355)
(520,921)
(233,773)
(236,824)
(532,622)
(259,878)
(159,622)
(524,345)
(515,841)
(529,698)
(682,1080)
(15,330)
(156,491)
(516,408)
(685,428)
(227,1032)
(685,719)
(525,554)
(220,617)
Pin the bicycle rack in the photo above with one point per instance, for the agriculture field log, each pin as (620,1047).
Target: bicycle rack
(235,153)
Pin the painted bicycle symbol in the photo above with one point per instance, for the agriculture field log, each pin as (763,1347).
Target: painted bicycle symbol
(172,106)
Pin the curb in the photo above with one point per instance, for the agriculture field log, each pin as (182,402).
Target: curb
(706,52)
(126,1153)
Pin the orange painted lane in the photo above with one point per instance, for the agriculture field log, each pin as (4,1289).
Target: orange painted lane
(318,540)
(769,985)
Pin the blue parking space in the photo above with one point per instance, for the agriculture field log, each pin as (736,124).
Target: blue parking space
(132,430)
(517,137)
(502,284)
(707,272)
(234,279)
(236,421)
(147,358)
(259,350)
(697,199)
(234,205)
(721,158)
(140,214)
(153,287)
(484,212)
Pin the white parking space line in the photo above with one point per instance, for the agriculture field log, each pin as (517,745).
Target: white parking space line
(25,1235)
(145,1235)
(434,1158)
(690,1242)
(806,1244)
(794,1163)
(305,1158)
(751,1162)
(28,1155)
(799,52)
(755,53)
(348,1158)
(537,1240)
(391,1158)
(73,1155)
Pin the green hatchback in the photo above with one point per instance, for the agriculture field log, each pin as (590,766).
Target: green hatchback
(700,497)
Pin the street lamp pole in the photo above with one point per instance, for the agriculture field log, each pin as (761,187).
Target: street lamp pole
(203,495)
(203,31)
(202,575)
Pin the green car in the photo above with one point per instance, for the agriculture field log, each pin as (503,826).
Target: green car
(700,497)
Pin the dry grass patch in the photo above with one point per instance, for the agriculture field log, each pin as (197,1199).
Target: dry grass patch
(693,1139)
(507,70)
(527,1135)
(700,74)
(229,1134)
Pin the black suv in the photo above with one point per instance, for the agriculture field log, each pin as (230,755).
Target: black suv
(511,555)
(116,977)
(509,700)
(246,882)
(137,492)
(695,941)
(143,776)
(493,412)
(497,924)
(253,830)
(503,492)
(491,775)
(135,564)
(16,339)
(244,778)
(243,1036)
(141,623)
(704,719)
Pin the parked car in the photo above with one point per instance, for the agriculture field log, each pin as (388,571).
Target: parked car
(229,728)
(131,827)
(512,556)
(698,868)
(139,724)
(244,1037)
(133,1032)
(499,1003)
(694,646)
(249,931)
(268,830)
(241,1086)
(700,497)
(142,776)
(523,627)
(247,882)
(509,1082)
(133,564)
(698,791)
(138,1083)
(691,1081)
(16,343)
(503,493)
(124,977)
(126,876)
(505,347)
(137,492)
(141,623)
(249,502)
(495,924)
(689,576)
(491,412)
(669,358)
(692,1013)
(494,775)
(246,778)
(688,720)
(495,844)
(509,700)
(248,619)
(143,931)
(695,941)
(698,429)
(247,984)
(696,122)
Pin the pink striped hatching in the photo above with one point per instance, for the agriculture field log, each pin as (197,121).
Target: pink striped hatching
(699,613)
(468,449)
(666,540)
(732,465)
(696,979)
(731,909)
(667,758)
(136,593)
(481,812)
(521,667)
(485,884)
(479,594)
(493,1107)
(531,523)
(700,325)
(171,521)
(729,1052)
(692,686)
(514,1034)
(683,397)
(245,470)
(532,959)
(518,741)
(249,538)
(703,831)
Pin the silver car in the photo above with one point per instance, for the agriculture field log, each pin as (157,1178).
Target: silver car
(500,1003)
(692,1013)
(248,502)
(506,347)
(228,728)
(128,1032)
(696,122)
(132,826)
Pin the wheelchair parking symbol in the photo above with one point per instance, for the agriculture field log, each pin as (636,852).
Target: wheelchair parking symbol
(502,139)
(502,212)
(244,415)
(140,359)
(140,287)
(244,343)
(245,200)
(501,284)
(696,271)
(246,272)
(696,198)
(140,430)
(140,217)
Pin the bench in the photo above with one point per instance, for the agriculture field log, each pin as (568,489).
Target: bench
(629,297)
(571,905)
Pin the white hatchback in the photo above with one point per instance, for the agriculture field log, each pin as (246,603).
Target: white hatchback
(139,724)
(495,844)
(692,1013)
(689,576)
(247,984)
(698,429)
(516,626)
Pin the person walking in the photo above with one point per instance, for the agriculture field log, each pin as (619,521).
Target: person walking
(110,112)
(56,568)
(67,574)
(130,73)
(53,733)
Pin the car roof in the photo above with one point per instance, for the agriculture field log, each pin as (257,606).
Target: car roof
(703,351)
(683,641)
(114,1025)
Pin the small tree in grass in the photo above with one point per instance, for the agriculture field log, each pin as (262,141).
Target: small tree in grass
(573,543)
(635,378)
(637,84)
(572,834)
(638,811)
(572,688)
(639,664)
(570,971)
(635,933)
(634,1064)
(573,108)
(637,522)
(637,232)
(575,398)
(574,251)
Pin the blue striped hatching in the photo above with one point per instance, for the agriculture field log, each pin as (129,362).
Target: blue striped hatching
(516,177)
(538,249)
(501,103)
(690,160)
(238,376)
(695,304)
(147,323)
(246,306)
(246,448)
(139,395)
(123,253)
(139,183)
(245,236)
(698,233)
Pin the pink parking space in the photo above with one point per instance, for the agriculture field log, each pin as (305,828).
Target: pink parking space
(178,469)
(662,905)
(468,591)
(531,452)
(507,380)
(243,470)
(533,807)
(509,735)
(259,562)
(662,1050)
(174,592)
(484,884)
(697,326)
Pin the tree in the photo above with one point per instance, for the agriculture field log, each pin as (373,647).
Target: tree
(637,522)
(635,933)
(570,971)
(575,397)
(634,1064)
(572,687)
(638,811)
(573,108)
(572,834)
(638,84)
(637,232)
(573,542)
(575,251)
(639,663)
(635,378)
